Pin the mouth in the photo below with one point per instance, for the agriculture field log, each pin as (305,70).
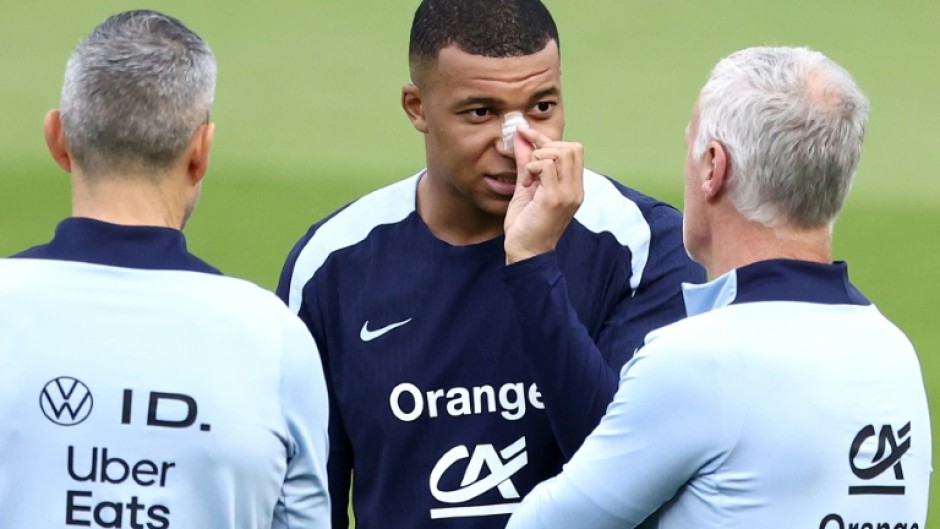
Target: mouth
(502,183)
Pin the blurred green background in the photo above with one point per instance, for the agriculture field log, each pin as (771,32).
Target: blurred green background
(308,119)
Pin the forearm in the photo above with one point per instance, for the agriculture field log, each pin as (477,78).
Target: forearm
(575,380)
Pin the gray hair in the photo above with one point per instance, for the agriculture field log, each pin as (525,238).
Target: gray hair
(792,122)
(135,91)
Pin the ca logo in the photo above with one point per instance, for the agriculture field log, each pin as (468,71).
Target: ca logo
(66,401)
(890,448)
(502,465)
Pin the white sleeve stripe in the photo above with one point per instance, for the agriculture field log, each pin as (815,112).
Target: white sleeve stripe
(352,225)
(605,208)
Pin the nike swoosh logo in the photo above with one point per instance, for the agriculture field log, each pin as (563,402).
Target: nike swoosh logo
(367,336)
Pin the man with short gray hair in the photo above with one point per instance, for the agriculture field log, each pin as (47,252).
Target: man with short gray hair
(140,387)
(786,399)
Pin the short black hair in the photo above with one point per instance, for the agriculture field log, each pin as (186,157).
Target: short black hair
(490,28)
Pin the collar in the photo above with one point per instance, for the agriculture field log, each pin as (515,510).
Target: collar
(97,242)
(775,280)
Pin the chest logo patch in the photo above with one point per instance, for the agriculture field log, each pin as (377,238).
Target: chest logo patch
(367,335)
(66,401)
(501,466)
(880,451)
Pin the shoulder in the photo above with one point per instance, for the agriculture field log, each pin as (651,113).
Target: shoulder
(239,302)
(636,221)
(188,290)
(603,192)
(38,252)
(710,325)
(692,344)
(345,228)
(631,216)
(226,305)
(252,318)
(353,222)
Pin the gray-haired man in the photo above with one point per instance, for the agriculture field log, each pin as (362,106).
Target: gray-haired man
(785,399)
(140,388)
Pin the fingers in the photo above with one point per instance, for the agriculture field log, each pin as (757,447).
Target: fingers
(548,194)
(533,136)
(543,148)
(557,165)
(522,149)
(566,157)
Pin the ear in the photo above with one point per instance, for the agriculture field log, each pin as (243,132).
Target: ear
(413,104)
(716,170)
(55,140)
(199,152)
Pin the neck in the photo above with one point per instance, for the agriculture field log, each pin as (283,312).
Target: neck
(451,220)
(753,242)
(129,200)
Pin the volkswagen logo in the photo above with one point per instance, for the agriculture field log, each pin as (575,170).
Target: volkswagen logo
(66,401)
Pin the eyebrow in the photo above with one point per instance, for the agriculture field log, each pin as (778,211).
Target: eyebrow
(493,102)
(478,101)
(550,91)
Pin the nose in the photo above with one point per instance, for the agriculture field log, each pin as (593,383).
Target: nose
(511,122)
(501,146)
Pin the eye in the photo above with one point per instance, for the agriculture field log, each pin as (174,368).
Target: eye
(479,114)
(543,108)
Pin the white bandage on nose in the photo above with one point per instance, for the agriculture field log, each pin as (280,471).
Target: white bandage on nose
(511,122)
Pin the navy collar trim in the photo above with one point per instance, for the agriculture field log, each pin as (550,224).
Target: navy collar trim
(776,280)
(142,247)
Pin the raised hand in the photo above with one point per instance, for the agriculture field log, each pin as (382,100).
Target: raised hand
(549,190)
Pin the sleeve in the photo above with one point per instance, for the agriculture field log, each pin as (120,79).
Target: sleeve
(285,284)
(657,300)
(561,354)
(304,502)
(577,374)
(664,427)
(339,465)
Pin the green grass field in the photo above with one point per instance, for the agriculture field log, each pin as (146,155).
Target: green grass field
(308,119)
